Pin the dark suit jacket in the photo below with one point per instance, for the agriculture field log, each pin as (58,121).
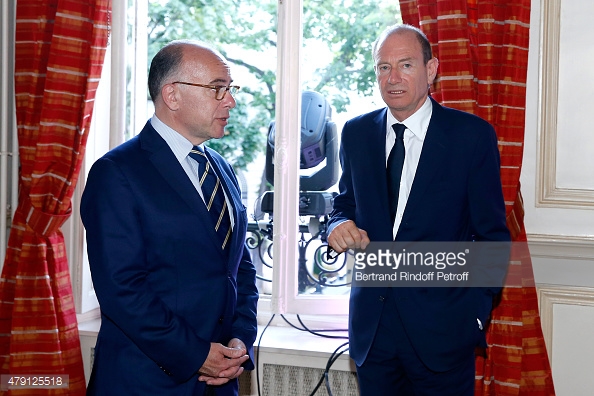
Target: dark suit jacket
(165,288)
(456,196)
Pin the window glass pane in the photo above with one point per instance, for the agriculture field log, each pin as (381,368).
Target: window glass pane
(336,69)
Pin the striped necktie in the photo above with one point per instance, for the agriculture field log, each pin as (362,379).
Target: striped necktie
(214,197)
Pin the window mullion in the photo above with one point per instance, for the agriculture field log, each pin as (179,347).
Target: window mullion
(286,147)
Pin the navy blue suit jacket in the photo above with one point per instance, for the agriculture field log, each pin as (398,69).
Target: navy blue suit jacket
(165,288)
(456,196)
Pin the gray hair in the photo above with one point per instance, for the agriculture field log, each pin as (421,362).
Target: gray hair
(168,62)
(399,28)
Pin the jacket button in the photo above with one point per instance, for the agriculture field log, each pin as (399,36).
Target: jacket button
(221,320)
(382,298)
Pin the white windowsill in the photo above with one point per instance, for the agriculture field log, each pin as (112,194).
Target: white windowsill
(290,347)
(280,344)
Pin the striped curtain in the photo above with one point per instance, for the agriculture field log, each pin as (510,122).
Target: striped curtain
(482,46)
(59,50)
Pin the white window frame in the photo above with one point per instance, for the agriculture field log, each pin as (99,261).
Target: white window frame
(285,294)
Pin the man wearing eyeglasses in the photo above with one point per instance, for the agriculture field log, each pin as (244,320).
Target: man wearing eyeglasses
(166,242)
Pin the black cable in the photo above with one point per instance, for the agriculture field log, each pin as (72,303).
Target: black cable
(331,361)
(335,355)
(318,334)
(258,354)
(308,330)
(332,358)
(327,382)
(329,364)
(291,324)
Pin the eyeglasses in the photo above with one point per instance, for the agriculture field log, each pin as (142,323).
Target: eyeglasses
(220,90)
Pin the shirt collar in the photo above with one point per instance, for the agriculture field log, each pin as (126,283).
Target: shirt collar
(417,123)
(179,145)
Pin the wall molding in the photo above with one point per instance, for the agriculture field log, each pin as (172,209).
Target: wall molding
(549,296)
(548,194)
(561,246)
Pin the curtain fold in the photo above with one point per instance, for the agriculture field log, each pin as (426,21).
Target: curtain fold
(59,51)
(482,47)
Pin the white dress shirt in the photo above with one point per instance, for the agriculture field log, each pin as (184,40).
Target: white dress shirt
(414,136)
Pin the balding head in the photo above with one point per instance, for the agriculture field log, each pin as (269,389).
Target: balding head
(168,62)
(404,29)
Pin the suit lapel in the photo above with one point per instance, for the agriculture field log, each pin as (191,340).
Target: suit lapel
(433,154)
(377,169)
(378,145)
(371,152)
(168,166)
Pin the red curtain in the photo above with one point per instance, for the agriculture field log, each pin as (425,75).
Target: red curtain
(482,47)
(59,50)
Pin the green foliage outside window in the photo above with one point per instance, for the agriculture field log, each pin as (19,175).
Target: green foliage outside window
(245,33)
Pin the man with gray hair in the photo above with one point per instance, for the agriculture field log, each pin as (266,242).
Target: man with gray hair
(166,242)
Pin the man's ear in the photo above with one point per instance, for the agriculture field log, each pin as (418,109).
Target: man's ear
(432,70)
(169,93)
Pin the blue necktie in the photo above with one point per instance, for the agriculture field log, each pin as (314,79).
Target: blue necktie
(394,168)
(214,198)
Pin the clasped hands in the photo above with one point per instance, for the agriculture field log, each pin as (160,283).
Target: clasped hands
(223,363)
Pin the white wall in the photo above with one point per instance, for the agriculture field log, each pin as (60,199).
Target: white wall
(558,185)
